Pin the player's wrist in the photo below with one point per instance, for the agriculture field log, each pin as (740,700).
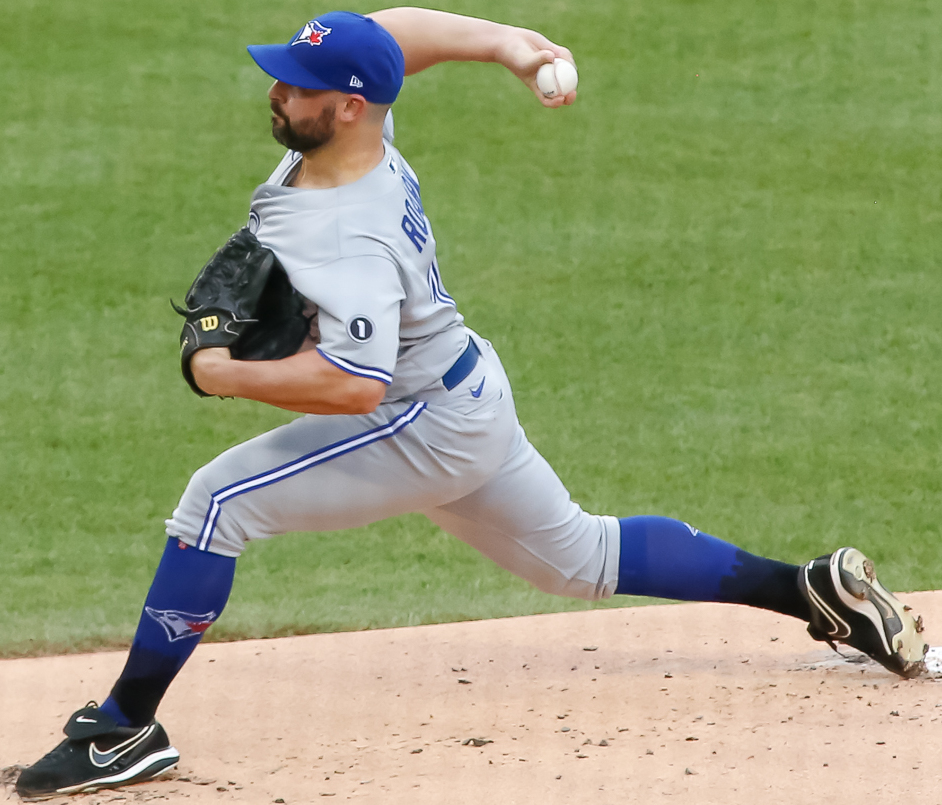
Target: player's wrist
(211,371)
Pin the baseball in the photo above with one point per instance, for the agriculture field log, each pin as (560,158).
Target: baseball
(558,78)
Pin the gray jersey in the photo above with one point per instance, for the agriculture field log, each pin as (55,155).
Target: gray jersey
(364,255)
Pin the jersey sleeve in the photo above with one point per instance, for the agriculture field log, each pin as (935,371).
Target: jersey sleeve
(358,313)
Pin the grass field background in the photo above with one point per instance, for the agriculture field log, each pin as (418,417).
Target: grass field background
(714,281)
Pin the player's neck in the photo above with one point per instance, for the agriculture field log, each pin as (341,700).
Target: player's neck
(337,164)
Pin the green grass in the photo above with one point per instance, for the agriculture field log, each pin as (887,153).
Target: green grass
(714,282)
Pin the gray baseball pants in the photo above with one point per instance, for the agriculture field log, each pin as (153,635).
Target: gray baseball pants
(463,461)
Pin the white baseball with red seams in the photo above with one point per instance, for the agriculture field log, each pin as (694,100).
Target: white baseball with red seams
(559,77)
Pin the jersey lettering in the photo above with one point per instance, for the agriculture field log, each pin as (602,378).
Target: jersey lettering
(413,222)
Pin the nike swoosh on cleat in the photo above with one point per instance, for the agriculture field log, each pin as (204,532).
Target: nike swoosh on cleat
(476,393)
(83,720)
(838,629)
(102,759)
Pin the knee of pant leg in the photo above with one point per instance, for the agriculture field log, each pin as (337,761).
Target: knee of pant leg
(556,583)
(219,547)
(200,520)
(597,577)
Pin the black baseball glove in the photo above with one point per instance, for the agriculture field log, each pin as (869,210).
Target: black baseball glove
(242,299)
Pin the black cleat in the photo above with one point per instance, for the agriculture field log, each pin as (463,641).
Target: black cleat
(97,753)
(849,605)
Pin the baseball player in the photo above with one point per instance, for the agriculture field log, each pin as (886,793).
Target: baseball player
(406,409)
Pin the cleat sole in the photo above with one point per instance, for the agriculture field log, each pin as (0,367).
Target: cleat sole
(849,605)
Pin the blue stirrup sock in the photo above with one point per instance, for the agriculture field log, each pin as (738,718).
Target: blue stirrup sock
(667,558)
(189,591)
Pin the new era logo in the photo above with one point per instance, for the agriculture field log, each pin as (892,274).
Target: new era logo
(355,82)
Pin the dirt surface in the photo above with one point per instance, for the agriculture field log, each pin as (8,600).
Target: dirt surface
(694,703)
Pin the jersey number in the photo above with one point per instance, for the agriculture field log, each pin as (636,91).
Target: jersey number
(360,329)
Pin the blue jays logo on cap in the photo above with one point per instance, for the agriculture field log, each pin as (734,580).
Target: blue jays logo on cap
(312,33)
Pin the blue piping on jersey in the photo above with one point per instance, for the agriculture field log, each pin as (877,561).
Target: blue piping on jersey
(299,465)
(355,369)
(438,292)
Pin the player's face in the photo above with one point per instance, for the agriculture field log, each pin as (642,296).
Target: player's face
(301,119)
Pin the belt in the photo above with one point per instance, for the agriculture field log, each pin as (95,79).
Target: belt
(462,367)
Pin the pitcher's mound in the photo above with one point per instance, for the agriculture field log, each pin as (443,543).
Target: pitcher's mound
(698,702)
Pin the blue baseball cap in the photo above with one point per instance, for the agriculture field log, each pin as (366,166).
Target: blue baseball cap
(341,51)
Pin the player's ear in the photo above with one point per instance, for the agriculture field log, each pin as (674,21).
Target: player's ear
(353,108)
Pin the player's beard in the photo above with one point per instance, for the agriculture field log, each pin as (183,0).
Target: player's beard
(305,135)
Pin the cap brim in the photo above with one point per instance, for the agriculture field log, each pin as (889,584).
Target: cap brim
(277,61)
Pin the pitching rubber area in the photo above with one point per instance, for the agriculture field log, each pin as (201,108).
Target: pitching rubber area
(703,702)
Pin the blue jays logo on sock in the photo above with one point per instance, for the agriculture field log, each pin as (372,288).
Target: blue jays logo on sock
(179,625)
(312,33)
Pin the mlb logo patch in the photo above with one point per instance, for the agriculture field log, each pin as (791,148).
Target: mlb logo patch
(312,33)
